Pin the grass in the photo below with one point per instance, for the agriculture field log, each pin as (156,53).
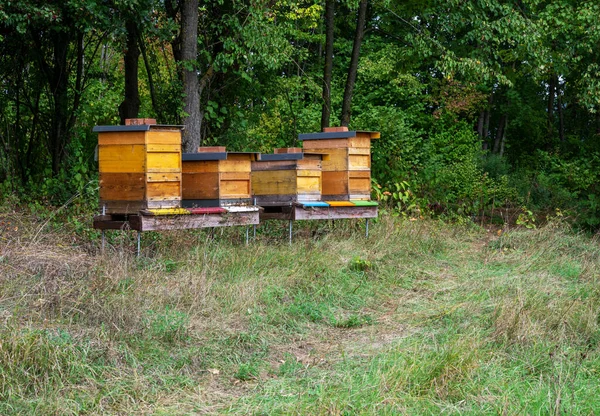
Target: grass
(422,318)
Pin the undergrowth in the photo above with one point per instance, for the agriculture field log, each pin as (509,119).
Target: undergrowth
(421,318)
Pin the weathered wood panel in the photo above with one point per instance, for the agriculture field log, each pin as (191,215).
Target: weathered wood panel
(122,186)
(163,177)
(116,138)
(156,136)
(202,185)
(200,166)
(163,190)
(163,162)
(168,148)
(229,189)
(335,183)
(278,182)
(183,222)
(121,158)
(318,213)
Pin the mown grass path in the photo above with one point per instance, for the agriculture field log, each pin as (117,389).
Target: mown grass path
(421,318)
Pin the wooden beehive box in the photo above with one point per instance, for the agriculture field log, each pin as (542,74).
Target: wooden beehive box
(285,177)
(213,177)
(346,168)
(140,167)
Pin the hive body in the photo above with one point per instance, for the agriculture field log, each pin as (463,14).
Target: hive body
(140,167)
(346,168)
(216,178)
(285,177)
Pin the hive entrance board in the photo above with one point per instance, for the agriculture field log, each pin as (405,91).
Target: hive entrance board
(140,167)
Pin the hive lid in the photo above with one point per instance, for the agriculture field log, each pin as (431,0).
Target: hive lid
(337,135)
(187,157)
(141,127)
(280,156)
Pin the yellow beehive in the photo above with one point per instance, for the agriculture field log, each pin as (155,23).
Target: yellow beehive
(346,171)
(140,167)
(213,177)
(286,176)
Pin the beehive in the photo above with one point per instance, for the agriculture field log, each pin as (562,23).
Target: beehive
(285,177)
(140,167)
(346,168)
(213,177)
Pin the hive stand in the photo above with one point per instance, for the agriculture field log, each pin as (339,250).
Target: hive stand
(140,168)
(287,185)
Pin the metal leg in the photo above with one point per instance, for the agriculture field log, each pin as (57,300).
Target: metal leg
(139,243)
(290,227)
(103,241)
(247,235)
(254,232)
(367,228)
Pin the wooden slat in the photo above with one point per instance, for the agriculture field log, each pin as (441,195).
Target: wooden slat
(163,190)
(199,221)
(235,164)
(163,177)
(230,176)
(234,189)
(163,203)
(334,213)
(274,165)
(337,160)
(359,162)
(155,136)
(287,150)
(123,207)
(325,144)
(279,182)
(168,148)
(163,162)
(200,166)
(361,140)
(122,186)
(200,185)
(335,183)
(115,138)
(308,173)
(358,174)
(309,185)
(211,149)
(121,158)
(359,151)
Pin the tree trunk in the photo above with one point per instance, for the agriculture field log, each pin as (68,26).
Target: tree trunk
(329,26)
(551,96)
(360,31)
(561,119)
(499,133)
(59,85)
(130,107)
(189,54)
(503,140)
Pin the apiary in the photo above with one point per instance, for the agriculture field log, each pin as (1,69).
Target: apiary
(140,167)
(286,176)
(214,177)
(346,165)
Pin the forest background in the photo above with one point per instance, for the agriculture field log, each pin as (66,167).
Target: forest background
(481,104)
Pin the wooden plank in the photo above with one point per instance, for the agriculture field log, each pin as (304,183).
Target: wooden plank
(168,148)
(163,136)
(200,185)
(335,183)
(110,225)
(139,121)
(115,138)
(361,140)
(229,189)
(356,174)
(163,190)
(123,207)
(198,221)
(287,150)
(309,185)
(163,203)
(359,162)
(312,162)
(234,164)
(336,160)
(163,162)
(359,197)
(274,165)
(334,213)
(231,176)
(200,166)
(121,158)
(308,173)
(122,186)
(279,182)
(340,203)
(211,149)
(341,143)
(359,151)
(359,186)
(163,177)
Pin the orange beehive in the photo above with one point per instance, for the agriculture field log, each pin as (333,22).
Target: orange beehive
(346,168)
(214,177)
(140,167)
